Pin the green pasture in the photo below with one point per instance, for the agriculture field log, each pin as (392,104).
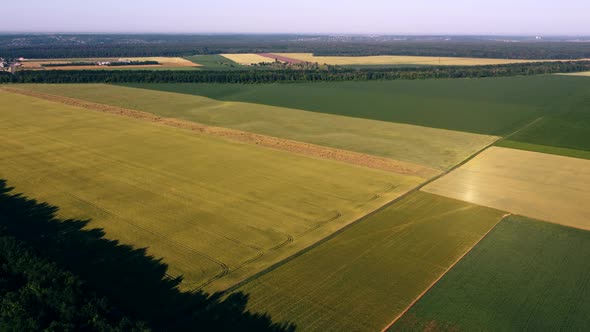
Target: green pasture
(526,275)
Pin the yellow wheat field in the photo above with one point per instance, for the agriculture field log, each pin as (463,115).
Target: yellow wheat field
(247,58)
(401,60)
(216,211)
(537,185)
(167,62)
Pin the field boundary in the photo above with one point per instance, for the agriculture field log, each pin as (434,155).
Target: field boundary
(371,213)
(481,239)
(301,148)
(503,138)
(443,274)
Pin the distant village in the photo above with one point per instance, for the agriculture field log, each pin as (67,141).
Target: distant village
(10,65)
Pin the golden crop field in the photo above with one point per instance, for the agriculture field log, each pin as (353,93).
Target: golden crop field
(433,148)
(537,185)
(214,210)
(401,60)
(164,62)
(247,58)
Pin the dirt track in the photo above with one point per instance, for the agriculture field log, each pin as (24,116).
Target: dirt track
(307,149)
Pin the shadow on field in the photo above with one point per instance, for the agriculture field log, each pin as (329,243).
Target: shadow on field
(132,281)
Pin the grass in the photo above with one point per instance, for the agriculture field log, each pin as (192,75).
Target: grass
(545,149)
(493,106)
(525,276)
(214,210)
(568,129)
(434,148)
(368,274)
(214,62)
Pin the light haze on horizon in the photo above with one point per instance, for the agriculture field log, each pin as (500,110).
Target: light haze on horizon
(489,17)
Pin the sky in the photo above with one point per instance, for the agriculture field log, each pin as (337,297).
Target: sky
(476,17)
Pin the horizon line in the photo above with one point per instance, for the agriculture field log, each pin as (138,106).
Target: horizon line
(32,32)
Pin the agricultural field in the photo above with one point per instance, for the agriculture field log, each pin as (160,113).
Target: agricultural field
(565,133)
(321,203)
(247,59)
(167,63)
(584,154)
(491,106)
(375,60)
(281,58)
(214,62)
(537,185)
(586,73)
(216,211)
(526,275)
(430,148)
(364,277)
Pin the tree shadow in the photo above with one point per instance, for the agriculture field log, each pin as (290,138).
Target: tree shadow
(131,279)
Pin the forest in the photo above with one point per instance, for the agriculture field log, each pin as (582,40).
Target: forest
(59,275)
(141,45)
(36,294)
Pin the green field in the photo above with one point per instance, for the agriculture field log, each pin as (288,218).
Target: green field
(525,276)
(494,106)
(433,148)
(214,62)
(213,209)
(545,149)
(364,277)
(568,130)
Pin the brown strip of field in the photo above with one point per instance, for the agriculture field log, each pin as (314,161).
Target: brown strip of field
(280,58)
(301,148)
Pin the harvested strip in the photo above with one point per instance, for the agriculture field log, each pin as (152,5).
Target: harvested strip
(307,149)
(281,58)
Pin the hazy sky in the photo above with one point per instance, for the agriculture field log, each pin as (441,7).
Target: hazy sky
(531,17)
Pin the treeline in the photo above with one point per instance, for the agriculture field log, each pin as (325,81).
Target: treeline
(38,295)
(109,64)
(290,75)
(84,46)
(71,64)
(132,63)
